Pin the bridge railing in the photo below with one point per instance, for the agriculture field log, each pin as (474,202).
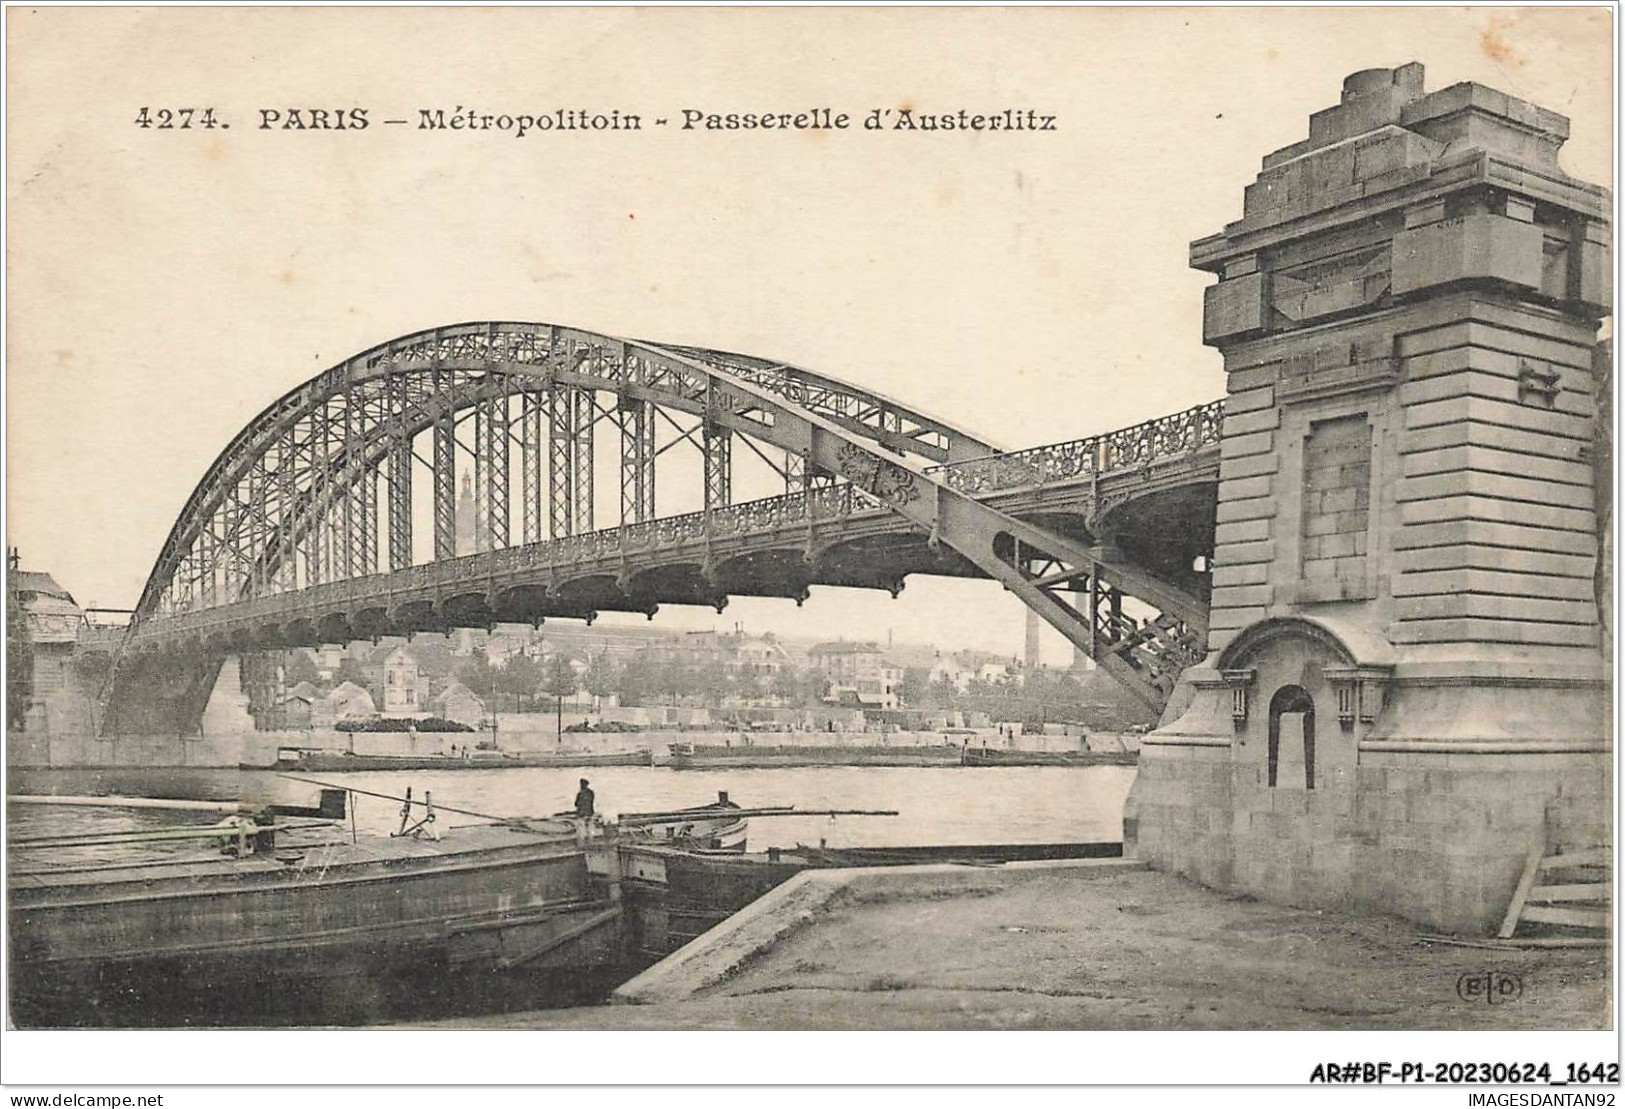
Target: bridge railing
(603,547)
(1168,437)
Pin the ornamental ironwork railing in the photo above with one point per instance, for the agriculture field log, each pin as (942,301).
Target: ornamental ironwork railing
(745,520)
(1165,439)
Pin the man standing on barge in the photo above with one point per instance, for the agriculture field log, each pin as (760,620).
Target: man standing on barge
(584,801)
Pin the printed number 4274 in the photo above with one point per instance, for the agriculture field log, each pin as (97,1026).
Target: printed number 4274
(178,119)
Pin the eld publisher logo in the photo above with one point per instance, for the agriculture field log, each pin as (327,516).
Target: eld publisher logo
(1492,987)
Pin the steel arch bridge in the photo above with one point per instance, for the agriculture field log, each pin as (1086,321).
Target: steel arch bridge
(302,530)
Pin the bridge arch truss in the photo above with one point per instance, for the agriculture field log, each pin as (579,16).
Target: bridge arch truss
(318,501)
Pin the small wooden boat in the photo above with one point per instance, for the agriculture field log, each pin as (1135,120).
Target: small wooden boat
(717,828)
(328,762)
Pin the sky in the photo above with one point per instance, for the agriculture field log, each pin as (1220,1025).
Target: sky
(163,287)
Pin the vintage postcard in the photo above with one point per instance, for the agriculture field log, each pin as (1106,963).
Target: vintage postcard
(636,520)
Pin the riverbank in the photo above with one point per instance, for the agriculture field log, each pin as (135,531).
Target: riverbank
(534,734)
(1058,946)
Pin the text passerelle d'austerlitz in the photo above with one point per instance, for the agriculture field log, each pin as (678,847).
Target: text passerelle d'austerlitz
(521,124)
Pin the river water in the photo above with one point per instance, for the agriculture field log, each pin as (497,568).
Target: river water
(935,805)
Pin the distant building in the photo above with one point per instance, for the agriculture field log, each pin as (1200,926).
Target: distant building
(457,702)
(328,657)
(692,649)
(759,657)
(348,701)
(858,673)
(398,673)
(52,621)
(297,705)
(963,667)
(466,642)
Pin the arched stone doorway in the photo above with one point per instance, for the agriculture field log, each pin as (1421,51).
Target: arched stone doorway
(1292,709)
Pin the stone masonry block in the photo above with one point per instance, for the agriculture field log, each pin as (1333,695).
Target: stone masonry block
(1476,630)
(1536,421)
(1233,469)
(1473,247)
(1505,486)
(1462,433)
(1445,508)
(1241,446)
(1251,574)
(1494,533)
(1242,489)
(1235,553)
(1242,532)
(1251,508)
(1496,363)
(1249,400)
(1235,308)
(1510,390)
(1491,581)
(1521,340)
(1488,460)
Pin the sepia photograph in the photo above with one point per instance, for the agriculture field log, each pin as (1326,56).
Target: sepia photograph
(845,520)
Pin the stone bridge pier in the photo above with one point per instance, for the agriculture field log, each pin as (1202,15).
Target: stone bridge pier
(1405,691)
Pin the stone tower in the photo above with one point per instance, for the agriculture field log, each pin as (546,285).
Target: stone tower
(1404,692)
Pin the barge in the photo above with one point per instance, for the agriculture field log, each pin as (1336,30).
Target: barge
(696,756)
(307,923)
(329,762)
(1004,756)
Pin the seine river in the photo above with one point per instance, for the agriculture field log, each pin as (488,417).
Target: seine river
(935,805)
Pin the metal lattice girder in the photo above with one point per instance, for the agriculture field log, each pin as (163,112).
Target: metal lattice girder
(646,507)
(581,459)
(532,455)
(182,587)
(322,545)
(1146,656)
(802,476)
(445,474)
(348,548)
(795,473)
(718,448)
(209,562)
(321,567)
(561,487)
(637,460)
(310,538)
(491,470)
(361,495)
(287,489)
(400,479)
(258,487)
(363,501)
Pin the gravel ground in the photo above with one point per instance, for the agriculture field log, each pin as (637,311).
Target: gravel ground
(1136,950)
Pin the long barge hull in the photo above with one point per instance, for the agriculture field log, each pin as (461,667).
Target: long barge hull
(329,934)
(989,756)
(713,758)
(340,762)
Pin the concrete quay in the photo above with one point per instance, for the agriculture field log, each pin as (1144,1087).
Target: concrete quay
(1087,944)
